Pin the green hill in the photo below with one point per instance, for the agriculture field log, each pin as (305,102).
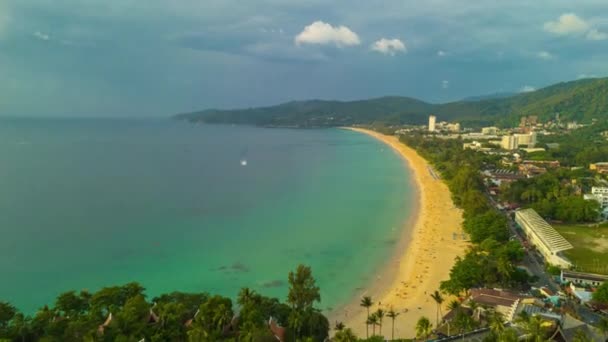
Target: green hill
(581,100)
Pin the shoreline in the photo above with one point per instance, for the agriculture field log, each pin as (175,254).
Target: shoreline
(426,251)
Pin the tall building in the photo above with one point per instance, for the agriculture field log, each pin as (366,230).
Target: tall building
(432,120)
(528,139)
(509,142)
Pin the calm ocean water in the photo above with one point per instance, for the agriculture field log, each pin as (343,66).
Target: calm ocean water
(91,203)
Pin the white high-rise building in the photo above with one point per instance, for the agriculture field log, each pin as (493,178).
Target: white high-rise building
(432,120)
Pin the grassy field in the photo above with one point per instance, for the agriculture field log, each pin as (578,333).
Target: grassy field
(590,253)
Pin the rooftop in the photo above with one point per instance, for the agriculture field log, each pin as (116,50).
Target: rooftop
(585,276)
(552,240)
(494,297)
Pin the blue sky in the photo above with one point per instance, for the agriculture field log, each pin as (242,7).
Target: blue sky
(159,57)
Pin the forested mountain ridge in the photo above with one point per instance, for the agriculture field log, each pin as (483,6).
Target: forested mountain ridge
(581,100)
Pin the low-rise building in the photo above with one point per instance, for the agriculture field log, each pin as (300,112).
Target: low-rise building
(489,130)
(498,176)
(543,163)
(533,149)
(531,170)
(546,292)
(504,302)
(477,136)
(580,293)
(601,168)
(582,278)
(453,127)
(547,240)
(600,195)
(475,145)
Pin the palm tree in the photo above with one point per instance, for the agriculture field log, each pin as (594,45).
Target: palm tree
(439,300)
(367,303)
(497,324)
(221,316)
(380,314)
(454,305)
(245,296)
(509,335)
(474,308)
(523,318)
(505,269)
(345,335)
(339,326)
(373,321)
(534,329)
(423,328)
(392,314)
(463,322)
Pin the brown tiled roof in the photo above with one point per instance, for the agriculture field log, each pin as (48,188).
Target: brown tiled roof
(494,297)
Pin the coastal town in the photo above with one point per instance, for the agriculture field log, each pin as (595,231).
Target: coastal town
(565,254)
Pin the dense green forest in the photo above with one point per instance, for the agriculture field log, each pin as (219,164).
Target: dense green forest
(581,100)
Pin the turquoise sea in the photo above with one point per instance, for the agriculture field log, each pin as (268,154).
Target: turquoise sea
(87,203)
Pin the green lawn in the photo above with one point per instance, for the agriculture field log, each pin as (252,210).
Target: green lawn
(590,253)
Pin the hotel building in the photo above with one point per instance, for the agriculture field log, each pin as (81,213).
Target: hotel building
(432,120)
(547,240)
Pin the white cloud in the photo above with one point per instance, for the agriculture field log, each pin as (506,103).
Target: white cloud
(441,53)
(568,23)
(41,36)
(527,89)
(545,55)
(324,34)
(445,84)
(388,46)
(594,34)
(571,24)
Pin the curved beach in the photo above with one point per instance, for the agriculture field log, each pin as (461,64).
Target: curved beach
(425,254)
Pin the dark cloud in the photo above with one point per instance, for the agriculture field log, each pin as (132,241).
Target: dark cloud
(129,58)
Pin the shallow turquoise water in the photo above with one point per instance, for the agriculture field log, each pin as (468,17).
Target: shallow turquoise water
(89,203)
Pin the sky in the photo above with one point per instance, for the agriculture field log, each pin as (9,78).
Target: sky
(157,57)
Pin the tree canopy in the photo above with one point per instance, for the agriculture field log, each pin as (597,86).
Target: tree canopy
(122,313)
